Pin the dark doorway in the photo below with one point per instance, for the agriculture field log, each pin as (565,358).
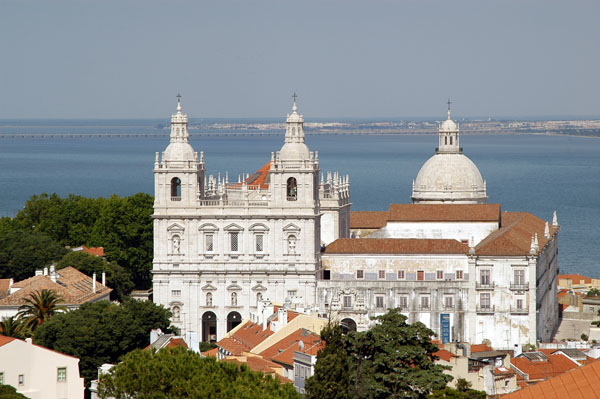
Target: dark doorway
(233,319)
(348,325)
(209,327)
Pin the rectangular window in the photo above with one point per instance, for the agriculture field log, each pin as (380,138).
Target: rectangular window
(347,301)
(176,292)
(234,237)
(260,243)
(424,302)
(381,274)
(209,242)
(301,371)
(379,302)
(519,277)
(485,301)
(403,302)
(1,378)
(401,275)
(420,275)
(292,293)
(484,277)
(21,379)
(61,374)
(439,275)
(360,274)
(449,301)
(519,304)
(326,274)
(459,275)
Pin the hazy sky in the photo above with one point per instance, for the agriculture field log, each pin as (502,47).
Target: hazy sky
(347,58)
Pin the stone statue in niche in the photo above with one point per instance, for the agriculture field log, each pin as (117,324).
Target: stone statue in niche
(176,245)
(292,244)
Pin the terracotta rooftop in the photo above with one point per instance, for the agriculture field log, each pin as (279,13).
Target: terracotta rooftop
(575,278)
(301,334)
(5,340)
(481,348)
(260,177)
(167,341)
(73,286)
(245,338)
(395,246)
(256,363)
(368,219)
(444,355)
(444,213)
(211,352)
(542,369)
(580,383)
(96,251)
(514,237)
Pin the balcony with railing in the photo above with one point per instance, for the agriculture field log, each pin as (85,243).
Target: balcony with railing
(484,285)
(486,309)
(519,286)
(425,307)
(517,310)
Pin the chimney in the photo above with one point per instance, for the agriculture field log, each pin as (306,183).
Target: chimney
(29,341)
(94,282)
(46,271)
(53,273)
(154,334)
(517,350)
(39,272)
(104,279)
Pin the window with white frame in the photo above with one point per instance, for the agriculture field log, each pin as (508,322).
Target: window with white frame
(439,274)
(360,274)
(347,301)
(484,277)
(403,301)
(424,301)
(234,241)
(292,293)
(379,301)
(449,301)
(519,304)
(260,242)
(175,292)
(21,379)
(485,300)
(459,275)
(401,275)
(381,274)
(519,275)
(209,242)
(61,374)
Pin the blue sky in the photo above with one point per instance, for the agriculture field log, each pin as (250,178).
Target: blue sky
(128,59)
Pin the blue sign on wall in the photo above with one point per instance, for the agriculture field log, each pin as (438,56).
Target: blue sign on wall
(445,323)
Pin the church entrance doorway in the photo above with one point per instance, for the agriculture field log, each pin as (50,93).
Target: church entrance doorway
(348,325)
(233,319)
(209,327)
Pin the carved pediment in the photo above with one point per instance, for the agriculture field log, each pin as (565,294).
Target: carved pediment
(234,287)
(175,228)
(233,227)
(208,287)
(291,228)
(208,227)
(175,303)
(259,287)
(258,227)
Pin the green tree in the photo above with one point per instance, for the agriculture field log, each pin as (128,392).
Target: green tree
(451,393)
(10,392)
(463,385)
(180,373)
(593,292)
(102,332)
(12,327)
(39,307)
(332,370)
(22,252)
(117,277)
(393,359)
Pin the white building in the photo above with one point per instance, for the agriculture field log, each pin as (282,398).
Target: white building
(37,372)
(221,246)
(450,259)
(461,266)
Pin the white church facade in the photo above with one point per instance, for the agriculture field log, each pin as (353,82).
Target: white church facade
(450,259)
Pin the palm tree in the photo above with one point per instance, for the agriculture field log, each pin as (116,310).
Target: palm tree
(12,327)
(39,307)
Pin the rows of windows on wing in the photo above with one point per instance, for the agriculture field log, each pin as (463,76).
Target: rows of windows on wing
(234,243)
(291,189)
(61,376)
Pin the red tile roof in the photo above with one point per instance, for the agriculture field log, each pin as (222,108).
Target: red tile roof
(73,286)
(542,370)
(245,338)
(260,177)
(575,278)
(580,383)
(96,251)
(308,337)
(481,348)
(444,213)
(5,340)
(514,237)
(395,246)
(368,219)
(211,352)
(444,355)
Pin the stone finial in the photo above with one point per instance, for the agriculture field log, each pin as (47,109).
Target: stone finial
(554,220)
(472,246)
(537,244)
(532,249)
(546,231)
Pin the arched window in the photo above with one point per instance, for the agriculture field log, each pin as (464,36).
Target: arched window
(450,140)
(209,299)
(175,188)
(292,244)
(234,299)
(291,189)
(446,140)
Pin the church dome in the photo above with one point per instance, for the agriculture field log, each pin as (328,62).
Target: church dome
(450,178)
(294,148)
(179,151)
(449,126)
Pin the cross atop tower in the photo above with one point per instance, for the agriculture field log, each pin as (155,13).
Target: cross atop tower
(294,96)
(449,107)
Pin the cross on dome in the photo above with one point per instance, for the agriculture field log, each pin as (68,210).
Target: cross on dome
(449,107)
(294,107)
(178,102)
